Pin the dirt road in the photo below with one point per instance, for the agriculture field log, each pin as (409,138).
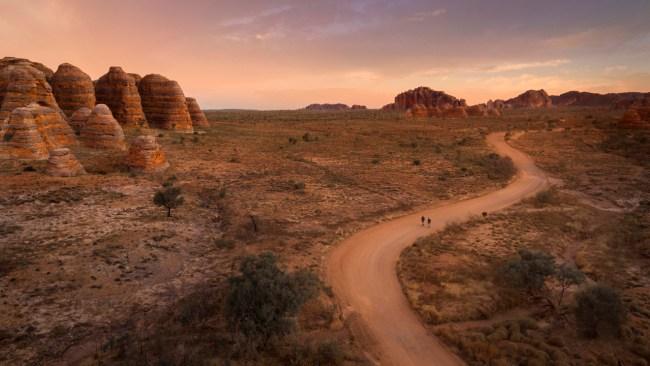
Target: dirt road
(362,270)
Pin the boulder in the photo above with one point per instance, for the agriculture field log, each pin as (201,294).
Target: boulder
(79,119)
(73,89)
(22,138)
(196,114)
(146,156)
(164,103)
(531,99)
(102,131)
(119,92)
(22,84)
(62,163)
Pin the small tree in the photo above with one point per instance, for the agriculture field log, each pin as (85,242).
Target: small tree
(567,276)
(169,197)
(264,298)
(599,312)
(529,271)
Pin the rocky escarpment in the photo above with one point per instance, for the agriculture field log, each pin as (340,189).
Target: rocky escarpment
(63,163)
(327,107)
(196,114)
(586,99)
(164,103)
(119,92)
(22,84)
(636,118)
(146,155)
(102,131)
(531,99)
(428,98)
(52,126)
(72,88)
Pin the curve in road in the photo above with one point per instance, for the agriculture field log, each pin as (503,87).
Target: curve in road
(362,270)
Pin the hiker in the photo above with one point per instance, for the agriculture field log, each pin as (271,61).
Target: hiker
(429,221)
(422,220)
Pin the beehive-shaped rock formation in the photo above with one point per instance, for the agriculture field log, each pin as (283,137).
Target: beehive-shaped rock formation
(196,114)
(145,155)
(531,99)
(52,126)
(79,119)
(102,131)
(119,92)
(22,84)
(6,61)
(22,138)
(164,103)
(62,163)
(428,98)
(73,89)
(136,78)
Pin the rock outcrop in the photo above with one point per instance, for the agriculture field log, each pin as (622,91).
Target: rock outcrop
(419,111)
(119,92)
(454,112)
(636,118)
(358,107)
(22,138)
(196,114)
(62,163)
(164,103)
(73,89)
(478,110)
(327,107)
(586,99)
(389,107)
(22,84)
(79,118)
(428,98)
(531,99)
(6,61)
(52,126)
(102,131)
(145,155)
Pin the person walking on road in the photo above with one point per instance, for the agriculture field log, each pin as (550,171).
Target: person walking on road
(422,220)
(428,221)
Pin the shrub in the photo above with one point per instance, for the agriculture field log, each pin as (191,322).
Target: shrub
(544,198)
(263,298)
(169,197)
(529,271)
(599,312)
(498,167)
(567,276)
(417,162)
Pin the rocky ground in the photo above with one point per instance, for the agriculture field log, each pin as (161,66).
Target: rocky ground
(595,217)
(90,263)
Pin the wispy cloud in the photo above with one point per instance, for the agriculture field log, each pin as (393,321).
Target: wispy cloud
(527,65)
(424,15)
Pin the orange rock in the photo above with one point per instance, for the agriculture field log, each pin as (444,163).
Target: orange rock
(79,119)
(119,92)
(6,61)
(478,110)
(454,112)
(62,163)
(52,126)
(427,97)
(73,89)
(164,103)
(632,119)
(145,155)
(102,131)
(531,99)
(417,111)
(22,138)
(22,84)
(197,115)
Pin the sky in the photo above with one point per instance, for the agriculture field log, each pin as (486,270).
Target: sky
(287,54)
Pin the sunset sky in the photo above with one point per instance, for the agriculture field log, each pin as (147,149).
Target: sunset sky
(287,54)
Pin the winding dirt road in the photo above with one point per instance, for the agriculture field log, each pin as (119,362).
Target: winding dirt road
(362,270)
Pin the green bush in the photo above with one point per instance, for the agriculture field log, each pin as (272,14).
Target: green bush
(599,312)
(498,167)
(263,298)
(169,197)
(529,271)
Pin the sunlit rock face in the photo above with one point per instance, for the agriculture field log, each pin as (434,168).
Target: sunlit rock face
(531,99)
(118,90)
(72,88)
(146,155)
(164,103)
(102,131)
(196,114)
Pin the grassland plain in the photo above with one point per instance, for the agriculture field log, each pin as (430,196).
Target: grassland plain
(595,217)
(91,271)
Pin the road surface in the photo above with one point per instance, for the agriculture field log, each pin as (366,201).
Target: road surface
(362,270)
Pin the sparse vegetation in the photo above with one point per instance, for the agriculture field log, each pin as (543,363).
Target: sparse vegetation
(599,312)
(263,298)
(169,197)
(528,271)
